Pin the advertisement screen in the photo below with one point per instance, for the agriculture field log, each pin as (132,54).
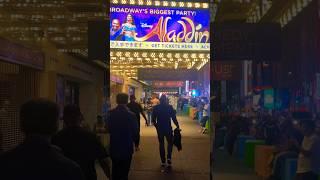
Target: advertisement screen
(135,27)
(269,98)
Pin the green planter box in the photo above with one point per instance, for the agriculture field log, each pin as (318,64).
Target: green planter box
(249,155)
(208,125)
(186,109)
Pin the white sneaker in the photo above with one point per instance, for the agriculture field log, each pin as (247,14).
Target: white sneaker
(169,162)
(163,167)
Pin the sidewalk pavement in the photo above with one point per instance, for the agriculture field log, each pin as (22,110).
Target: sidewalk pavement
(192,163)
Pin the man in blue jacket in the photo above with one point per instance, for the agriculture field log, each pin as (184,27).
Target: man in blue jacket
(161,117)
(123,128)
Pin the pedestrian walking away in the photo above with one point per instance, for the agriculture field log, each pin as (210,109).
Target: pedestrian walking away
(162,116)
(137,109)
(123,128)
(80,145)
(36,158)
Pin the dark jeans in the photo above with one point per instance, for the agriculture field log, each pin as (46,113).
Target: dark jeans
(120,168)
(169,138)
(137,140)
(307,176)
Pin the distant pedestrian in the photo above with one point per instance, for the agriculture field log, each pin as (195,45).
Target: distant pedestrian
(36,158)
(137,109)
(149,109)
(81,145)
(123,128)
(161,117)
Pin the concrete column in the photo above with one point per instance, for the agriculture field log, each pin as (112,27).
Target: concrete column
(48,85)
(88,103)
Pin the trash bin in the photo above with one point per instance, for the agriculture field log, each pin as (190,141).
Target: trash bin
(290,169)
(241,144)
(250,151)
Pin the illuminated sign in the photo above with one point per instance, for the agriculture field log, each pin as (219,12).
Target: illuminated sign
(167,84)
(159,28)
(116,79)
(269,98)
(151,74)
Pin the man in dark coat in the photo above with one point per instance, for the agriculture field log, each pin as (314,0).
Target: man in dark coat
(161,117)
(81,145)
(123,127)
(137,109)
(36,158)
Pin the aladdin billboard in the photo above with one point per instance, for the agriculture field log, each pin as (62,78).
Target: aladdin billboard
(137,27)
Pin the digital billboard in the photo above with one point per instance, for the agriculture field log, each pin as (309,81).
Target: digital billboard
(137,27)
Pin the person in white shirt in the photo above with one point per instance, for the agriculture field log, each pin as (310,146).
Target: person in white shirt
(306,166)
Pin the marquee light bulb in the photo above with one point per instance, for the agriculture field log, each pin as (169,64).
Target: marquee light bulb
(294,10)
(157,3)
(132,2)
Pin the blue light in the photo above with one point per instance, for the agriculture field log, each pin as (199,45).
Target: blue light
(194,92)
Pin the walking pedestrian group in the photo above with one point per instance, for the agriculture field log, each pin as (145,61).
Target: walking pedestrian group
(72,152)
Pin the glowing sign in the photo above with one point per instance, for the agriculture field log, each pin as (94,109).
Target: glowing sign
(159,28)
(167,84)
